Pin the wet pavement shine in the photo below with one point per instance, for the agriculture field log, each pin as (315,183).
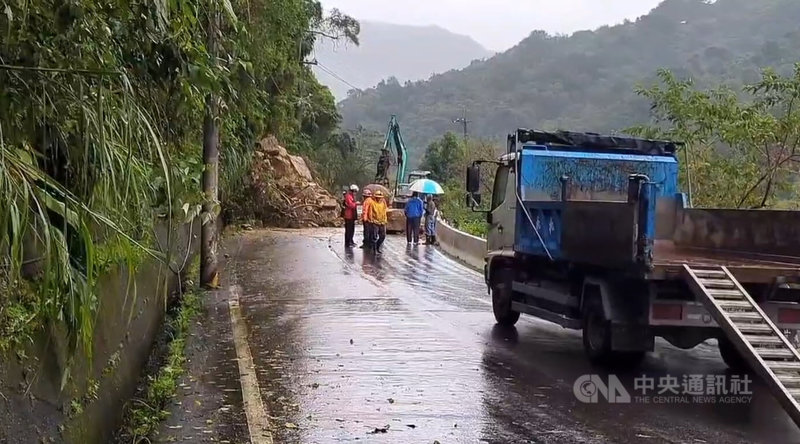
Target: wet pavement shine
(403,348)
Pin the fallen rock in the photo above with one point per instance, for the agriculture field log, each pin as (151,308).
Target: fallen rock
(285,193)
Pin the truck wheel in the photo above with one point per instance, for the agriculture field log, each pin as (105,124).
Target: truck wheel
(596,333)
(733,359)
(501,297)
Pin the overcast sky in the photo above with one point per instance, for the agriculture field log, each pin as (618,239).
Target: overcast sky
(498,24)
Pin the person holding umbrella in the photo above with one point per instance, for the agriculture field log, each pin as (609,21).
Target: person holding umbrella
(429,188)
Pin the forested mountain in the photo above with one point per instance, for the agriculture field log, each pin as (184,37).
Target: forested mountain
(386,50)
(586,81)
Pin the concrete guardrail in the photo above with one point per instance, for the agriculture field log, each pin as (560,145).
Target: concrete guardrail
(463,246)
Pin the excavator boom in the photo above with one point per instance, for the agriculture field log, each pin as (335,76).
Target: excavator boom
(394,143)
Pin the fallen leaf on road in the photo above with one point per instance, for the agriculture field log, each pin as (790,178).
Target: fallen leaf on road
(377,430)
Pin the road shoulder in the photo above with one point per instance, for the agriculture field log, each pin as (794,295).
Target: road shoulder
(208,406)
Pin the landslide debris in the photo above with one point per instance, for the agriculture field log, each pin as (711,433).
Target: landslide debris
(285,193)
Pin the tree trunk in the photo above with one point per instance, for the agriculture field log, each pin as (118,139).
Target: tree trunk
(209,276)
(767,192)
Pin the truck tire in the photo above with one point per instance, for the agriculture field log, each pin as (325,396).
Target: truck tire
(596,333)
(597,340)
(501,297)
(733,359)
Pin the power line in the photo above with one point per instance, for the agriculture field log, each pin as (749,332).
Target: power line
(336,76)
(463,121)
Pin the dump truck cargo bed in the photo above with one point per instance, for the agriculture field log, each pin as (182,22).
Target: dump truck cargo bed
(623,213)
(669,259)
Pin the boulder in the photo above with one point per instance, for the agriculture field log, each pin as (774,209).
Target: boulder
(286,194)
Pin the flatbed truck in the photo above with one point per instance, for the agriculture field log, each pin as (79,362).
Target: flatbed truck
(592,233)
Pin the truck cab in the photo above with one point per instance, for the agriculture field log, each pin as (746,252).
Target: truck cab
(502,210)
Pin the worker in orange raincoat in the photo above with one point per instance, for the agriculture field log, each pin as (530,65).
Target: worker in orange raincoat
(365,209)
(378,220)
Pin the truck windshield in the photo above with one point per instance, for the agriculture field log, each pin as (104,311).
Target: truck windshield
(500,184)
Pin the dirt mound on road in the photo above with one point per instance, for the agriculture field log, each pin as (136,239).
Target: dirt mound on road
(285,193)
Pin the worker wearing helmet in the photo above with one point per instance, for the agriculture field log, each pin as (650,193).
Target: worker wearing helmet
(378,219)
(350,216)
(365,209)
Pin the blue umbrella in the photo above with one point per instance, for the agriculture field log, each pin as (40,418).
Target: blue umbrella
(426,186)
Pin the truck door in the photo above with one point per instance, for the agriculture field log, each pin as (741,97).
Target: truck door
(501,216)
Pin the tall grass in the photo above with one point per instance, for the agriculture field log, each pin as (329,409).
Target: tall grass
(77,156)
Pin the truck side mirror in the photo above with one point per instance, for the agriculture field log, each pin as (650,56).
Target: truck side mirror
(473,179)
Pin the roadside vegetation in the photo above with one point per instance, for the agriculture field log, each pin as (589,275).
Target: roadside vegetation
(742,145)
(101,111)
(145,415)
(447,160)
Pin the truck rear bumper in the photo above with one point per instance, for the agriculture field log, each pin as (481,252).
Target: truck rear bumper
(676,313)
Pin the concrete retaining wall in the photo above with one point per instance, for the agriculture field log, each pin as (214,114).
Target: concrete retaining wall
(463,246)
(89,408)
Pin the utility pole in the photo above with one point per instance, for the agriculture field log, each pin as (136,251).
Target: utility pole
(464,122)
(209,274)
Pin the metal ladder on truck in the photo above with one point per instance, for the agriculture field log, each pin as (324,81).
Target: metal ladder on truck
(751,331)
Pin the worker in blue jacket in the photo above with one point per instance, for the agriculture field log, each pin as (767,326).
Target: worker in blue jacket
(414,210)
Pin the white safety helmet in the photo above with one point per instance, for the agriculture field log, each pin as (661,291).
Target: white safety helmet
(354,187)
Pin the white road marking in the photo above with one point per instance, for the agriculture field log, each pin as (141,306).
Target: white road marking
(254,409)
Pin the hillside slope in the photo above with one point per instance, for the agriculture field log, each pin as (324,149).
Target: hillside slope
(586,81)
(386,50)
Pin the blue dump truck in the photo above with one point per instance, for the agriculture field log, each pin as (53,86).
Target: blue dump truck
(592,233)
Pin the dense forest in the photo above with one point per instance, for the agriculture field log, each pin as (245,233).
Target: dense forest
(102,109)
(587,81)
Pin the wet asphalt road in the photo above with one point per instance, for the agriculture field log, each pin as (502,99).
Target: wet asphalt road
(403,348)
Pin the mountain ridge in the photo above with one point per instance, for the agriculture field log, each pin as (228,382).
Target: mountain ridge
(407,53)
(586,81)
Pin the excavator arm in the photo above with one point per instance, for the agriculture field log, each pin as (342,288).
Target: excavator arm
(394,144)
